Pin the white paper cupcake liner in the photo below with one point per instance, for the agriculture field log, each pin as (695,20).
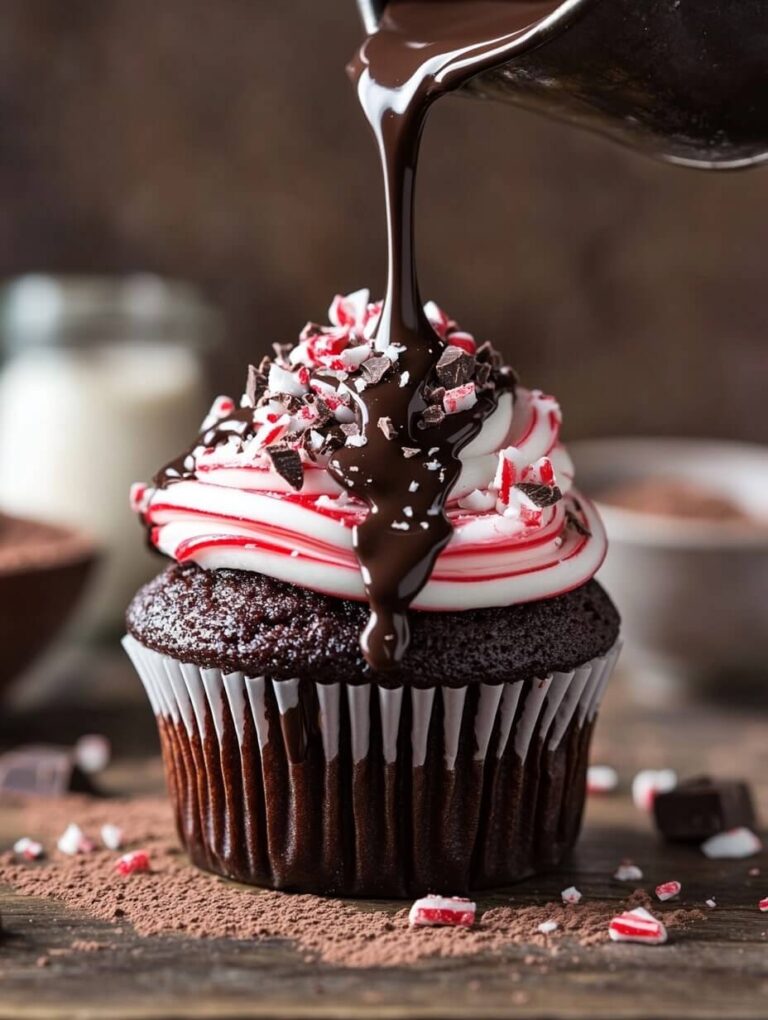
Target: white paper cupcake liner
(365,789)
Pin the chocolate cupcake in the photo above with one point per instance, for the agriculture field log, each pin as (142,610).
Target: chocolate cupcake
(378,657)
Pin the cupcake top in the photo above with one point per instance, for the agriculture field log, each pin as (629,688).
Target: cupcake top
(355,471)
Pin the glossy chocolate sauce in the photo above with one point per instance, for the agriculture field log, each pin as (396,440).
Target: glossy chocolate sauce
(423,49)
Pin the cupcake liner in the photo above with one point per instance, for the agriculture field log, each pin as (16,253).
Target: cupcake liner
(369,790)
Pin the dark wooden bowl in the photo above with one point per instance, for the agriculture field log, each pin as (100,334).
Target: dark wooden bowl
(43,572)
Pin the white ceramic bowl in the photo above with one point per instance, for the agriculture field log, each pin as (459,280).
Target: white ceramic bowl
(693,594)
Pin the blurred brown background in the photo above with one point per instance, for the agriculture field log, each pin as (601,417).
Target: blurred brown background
(219,140)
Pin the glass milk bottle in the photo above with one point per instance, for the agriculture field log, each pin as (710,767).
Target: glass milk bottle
(102,382)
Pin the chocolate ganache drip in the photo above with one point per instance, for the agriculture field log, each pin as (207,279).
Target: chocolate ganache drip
(405,472)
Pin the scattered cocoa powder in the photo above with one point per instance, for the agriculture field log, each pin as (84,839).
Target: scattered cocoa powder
(176,897)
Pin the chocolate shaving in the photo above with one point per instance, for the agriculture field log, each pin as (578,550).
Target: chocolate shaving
(455,367)
(507,376)
(410,451)
(435,396)
(386,426)
(541,495)
(374,369)
(333,440)
(264,366)
(255,385)
(483,375)
(287,463)
(350,429)
(572,521)
(289,402)
(431,416)
(322,410)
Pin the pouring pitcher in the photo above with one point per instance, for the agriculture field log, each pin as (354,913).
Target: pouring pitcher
(683,80)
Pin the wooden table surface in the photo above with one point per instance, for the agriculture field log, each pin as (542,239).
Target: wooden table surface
(717,968)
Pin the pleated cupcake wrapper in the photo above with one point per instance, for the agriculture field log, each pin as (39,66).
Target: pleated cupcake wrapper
(187,694)
(512,730)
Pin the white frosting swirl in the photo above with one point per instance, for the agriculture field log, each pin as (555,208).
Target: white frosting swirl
(520,532)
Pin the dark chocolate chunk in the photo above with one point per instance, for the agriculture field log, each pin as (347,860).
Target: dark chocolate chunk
(264,366)
(374,369)
(431,416)
(541,495)
(486,352)
(42,770)
(507,377)
(703,807)
(455,367)
(287,463)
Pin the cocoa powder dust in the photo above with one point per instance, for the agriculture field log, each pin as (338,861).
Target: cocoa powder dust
(177,898)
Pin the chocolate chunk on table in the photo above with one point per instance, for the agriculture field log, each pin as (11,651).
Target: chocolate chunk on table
(702,807)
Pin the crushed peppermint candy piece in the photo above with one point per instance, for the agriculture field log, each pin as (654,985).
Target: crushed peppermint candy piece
(111,837)
(74,841)
(356,440)
(133,862)
(637,926)
(461,398)
(628,872)
(434,911)
(571,895)
(138,497)
(547,927)
(711,903)
(732,845)
(763,905)
(668,890)
(283,381)
(460,338)
(602,779)
(28,848)
(650,782)
(220,408)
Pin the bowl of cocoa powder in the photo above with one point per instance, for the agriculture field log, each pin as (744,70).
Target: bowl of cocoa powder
(687,523)
(44,570)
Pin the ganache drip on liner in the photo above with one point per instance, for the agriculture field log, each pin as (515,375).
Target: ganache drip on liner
(396,83)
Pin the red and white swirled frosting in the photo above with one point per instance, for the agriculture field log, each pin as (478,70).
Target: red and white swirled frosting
(232,509)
